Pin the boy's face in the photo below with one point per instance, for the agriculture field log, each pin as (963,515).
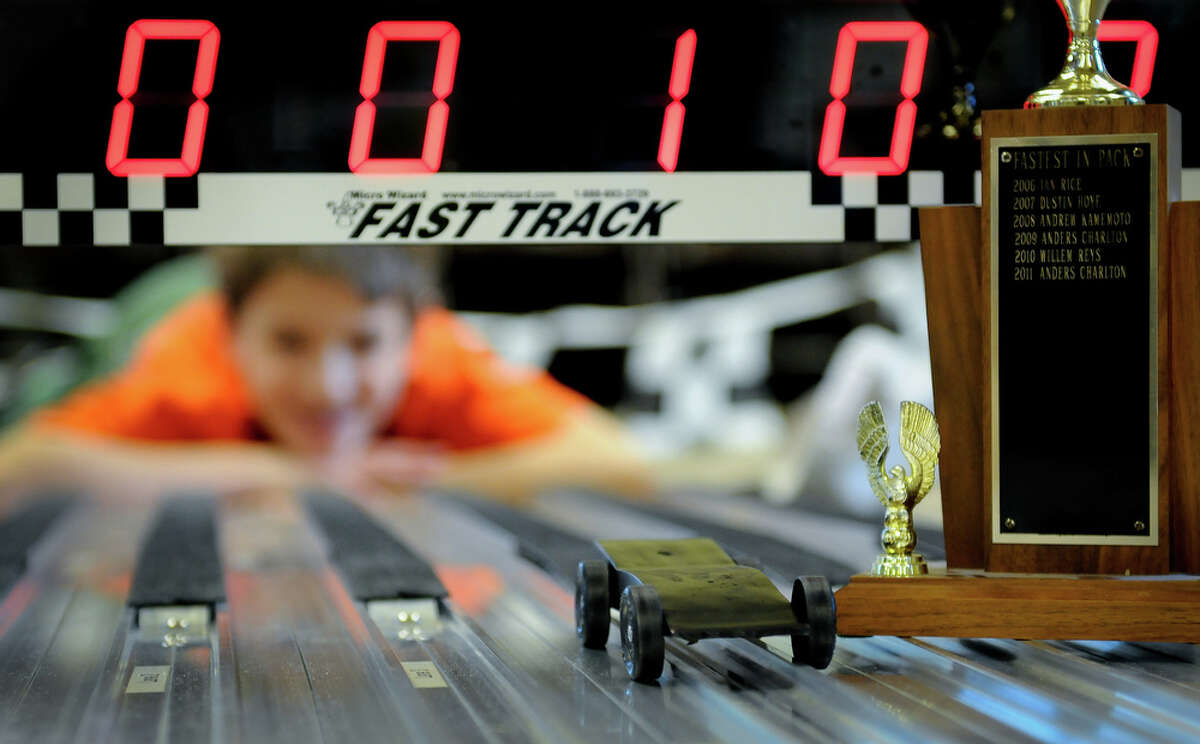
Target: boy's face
(324,365)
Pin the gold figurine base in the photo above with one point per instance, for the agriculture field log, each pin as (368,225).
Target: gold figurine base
(1024,606)
(899,566)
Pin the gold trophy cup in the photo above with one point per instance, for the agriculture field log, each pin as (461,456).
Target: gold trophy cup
(896,490)
(1084,81)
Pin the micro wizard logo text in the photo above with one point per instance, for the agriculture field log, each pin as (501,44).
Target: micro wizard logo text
(345,210)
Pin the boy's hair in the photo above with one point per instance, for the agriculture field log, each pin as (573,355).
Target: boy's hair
(376,271)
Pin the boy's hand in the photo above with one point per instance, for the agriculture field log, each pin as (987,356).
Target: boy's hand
(404,463)
(393,463)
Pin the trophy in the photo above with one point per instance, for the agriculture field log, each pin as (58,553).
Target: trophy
(1057,472)
(1083,81)
(897,491)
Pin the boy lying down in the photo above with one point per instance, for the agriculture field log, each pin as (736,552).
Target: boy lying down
(314,363)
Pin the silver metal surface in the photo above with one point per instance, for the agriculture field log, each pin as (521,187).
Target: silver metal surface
(56,654)
(292,657)
(531,627)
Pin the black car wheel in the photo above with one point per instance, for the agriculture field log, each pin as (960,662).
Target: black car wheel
(642,633)
(592,620)
(813,604)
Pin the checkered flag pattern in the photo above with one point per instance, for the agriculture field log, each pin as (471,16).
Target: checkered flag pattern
(44,209)
(884,208)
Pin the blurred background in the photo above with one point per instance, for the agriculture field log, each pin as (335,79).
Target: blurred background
(738,365)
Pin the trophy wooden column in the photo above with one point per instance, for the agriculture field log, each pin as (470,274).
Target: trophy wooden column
(952,258)
(1183,453)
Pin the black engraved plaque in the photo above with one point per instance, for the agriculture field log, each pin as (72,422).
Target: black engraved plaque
(1074,350)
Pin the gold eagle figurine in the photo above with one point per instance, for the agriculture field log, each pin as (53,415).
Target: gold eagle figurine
(897,491)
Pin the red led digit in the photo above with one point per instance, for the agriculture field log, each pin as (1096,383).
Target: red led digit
(188,162)
(681,80)
(896,161)
(1146,37)
(439,112)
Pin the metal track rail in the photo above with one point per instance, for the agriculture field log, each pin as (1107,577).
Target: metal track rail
(480,645)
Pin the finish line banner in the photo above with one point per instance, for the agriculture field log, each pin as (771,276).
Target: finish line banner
(502,208)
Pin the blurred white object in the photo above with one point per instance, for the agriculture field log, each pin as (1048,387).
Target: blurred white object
(871,362)
(692,354)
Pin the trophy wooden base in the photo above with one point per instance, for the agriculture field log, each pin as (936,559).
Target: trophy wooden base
(962,604)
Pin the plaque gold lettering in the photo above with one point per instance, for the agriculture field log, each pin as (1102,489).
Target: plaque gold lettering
(1105,219)
(1041,159)
(1104,237)
(1104,272)
(1056,202)
(1114,158)
(1057,219)
(1057,273)
(1059,237)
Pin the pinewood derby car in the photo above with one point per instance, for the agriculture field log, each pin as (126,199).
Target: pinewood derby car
(692,589)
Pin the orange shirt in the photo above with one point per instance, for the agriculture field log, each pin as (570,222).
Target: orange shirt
(183,384)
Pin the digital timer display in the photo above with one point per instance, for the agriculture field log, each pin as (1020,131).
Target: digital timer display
(447,38)
(451,88)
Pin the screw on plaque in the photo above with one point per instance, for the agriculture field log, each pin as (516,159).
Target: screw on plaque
(1137,152)
(1009,523)
(1006,157)
(1140,526)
